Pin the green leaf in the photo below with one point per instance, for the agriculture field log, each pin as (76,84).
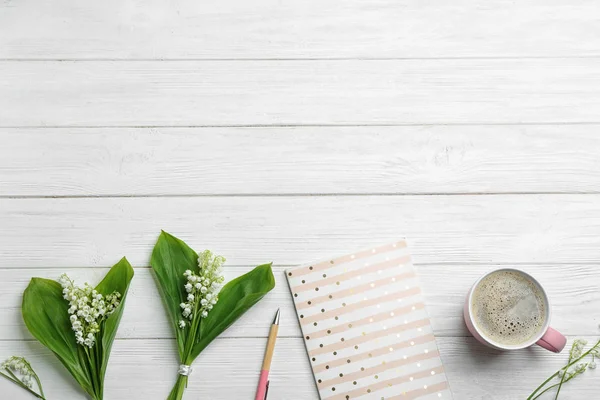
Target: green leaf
(171,257)
(118,279)
(236,297)
(45,313)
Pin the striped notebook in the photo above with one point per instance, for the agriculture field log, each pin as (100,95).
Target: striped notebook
(366,329)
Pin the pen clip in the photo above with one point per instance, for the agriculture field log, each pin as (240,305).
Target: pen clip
(267,389)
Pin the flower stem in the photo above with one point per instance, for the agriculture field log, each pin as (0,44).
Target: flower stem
(94,372)
(181,384)
(37,379)
(545,390)
(21,384)
(179,388)
(562,380)
(533,396)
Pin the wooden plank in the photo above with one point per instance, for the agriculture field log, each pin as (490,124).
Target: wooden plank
(228,369)
(573,289)
(147,369)
(292,230)
(353,160)
(364,92)
(284,29)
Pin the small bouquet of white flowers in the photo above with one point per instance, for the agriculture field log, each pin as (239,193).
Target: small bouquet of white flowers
(199,309)
(576,365)
(79,324)
(20,372)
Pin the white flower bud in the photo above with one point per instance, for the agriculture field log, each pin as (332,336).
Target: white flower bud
(27,381)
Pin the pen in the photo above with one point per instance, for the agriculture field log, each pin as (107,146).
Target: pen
(263,382)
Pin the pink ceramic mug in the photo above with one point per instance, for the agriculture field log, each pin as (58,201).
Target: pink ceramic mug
(547,337)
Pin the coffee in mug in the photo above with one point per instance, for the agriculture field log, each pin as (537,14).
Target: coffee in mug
(508,307)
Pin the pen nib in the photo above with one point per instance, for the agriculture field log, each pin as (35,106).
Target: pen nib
(276,320)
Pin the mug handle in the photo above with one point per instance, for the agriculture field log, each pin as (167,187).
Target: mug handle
(553,340)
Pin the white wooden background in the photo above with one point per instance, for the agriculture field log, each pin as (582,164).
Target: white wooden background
(289,131)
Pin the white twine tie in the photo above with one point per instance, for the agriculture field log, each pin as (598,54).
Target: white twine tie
(184,370)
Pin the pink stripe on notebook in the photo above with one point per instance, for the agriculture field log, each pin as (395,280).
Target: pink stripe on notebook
(366,330)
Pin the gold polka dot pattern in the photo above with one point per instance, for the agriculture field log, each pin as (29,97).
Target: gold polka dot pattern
(366,329)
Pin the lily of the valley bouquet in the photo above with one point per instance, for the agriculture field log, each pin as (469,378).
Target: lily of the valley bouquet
(198,307)
(77,323)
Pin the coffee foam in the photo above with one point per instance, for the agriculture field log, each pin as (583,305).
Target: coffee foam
(508,307)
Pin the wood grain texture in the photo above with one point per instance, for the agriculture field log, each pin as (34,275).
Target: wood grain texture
(146,369)
(232,29)
(289,131)
(366,92)
(290,230)
(573,289)
(296,160)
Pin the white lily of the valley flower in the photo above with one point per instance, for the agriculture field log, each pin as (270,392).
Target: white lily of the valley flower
(87,309)
(202,287)
(21,370)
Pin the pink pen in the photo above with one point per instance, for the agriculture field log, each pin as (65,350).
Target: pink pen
(263,382)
